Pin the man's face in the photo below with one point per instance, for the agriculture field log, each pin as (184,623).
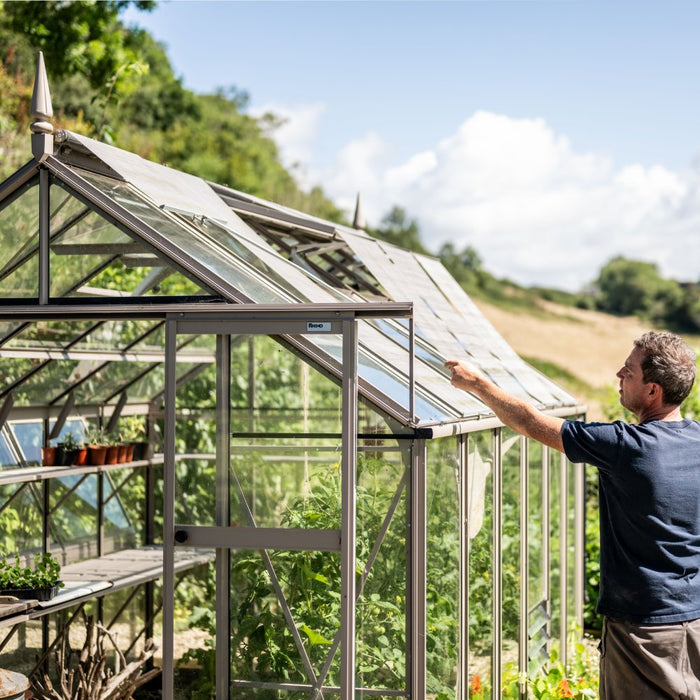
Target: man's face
(634,391)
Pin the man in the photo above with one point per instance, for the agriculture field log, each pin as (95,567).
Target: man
(649,488)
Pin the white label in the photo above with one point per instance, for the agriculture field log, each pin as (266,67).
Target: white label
(318,327)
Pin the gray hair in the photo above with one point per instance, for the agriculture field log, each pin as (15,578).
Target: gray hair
(668,362)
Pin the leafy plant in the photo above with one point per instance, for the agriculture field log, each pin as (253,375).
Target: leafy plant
(46,572)
(132,428)
(96,436)
(578,680)
(69,442)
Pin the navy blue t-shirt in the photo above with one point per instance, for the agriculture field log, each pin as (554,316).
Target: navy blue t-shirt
(649,478)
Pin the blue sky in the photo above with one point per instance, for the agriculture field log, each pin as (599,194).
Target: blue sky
(548,134)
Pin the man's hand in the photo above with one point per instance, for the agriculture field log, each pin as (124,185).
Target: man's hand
(463,376)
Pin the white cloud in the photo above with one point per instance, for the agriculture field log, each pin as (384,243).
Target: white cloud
(534,208)
(296,136)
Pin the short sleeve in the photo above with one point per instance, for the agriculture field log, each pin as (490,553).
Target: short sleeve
(592,443)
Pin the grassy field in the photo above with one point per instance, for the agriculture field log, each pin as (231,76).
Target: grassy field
(580,350)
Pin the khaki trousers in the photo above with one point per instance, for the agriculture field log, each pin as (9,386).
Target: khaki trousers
(650,662)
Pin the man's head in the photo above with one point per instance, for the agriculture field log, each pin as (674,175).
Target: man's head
(667,361)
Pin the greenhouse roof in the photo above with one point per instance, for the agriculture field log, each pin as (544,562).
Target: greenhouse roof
(198,243)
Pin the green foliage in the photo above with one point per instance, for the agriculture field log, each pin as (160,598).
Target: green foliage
(45,573)
(396,227)
(76,37)
(634,287)
(263,646)
(577,680)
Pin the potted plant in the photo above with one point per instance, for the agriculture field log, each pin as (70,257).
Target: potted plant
(133,432)
(112,456)
(48,455)
(96,441)
(40,582)
(67,451)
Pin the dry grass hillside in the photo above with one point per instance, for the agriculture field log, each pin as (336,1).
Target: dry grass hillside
(590,345)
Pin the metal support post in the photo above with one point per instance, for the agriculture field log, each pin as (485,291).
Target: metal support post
(463,674)
(580,545)
(169,511)
(497,599)
(563,558)
(44,235)
(348,516)
(523,637)
(418,570)
(223,515)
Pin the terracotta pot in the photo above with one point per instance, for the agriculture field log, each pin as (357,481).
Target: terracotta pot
(48,456)
(112,456)
(129,452)
(121,454)
(81,457)
(96,454)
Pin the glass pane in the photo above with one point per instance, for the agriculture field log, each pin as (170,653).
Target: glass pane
(29,435)
(443,566)
(21,519)
(46,385)
(272,390)
(19,243)
(73,525)
(571,547)
(203,250)
(510,545)
(538,615)
(536,534)
(555,570)
(123,495)
(91,256)
(481,565)
(7,457)
(381,607)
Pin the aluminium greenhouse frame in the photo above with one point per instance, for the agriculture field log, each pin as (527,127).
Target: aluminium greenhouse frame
(326,281)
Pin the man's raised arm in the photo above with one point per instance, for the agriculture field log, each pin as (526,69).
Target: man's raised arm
(511,411)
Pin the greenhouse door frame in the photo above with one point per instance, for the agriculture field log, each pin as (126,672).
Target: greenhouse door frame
(222,537)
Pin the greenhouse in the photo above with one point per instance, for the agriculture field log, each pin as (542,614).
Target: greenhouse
(303,506)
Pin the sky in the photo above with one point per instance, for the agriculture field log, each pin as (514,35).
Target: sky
(549,135)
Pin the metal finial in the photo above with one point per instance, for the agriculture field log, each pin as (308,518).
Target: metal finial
(359,221)
(42,110)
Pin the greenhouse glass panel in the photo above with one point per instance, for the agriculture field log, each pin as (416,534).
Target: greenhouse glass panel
(511,582)
(7,457)
(556,537)
(443,578)
(73,508)
(19,239)
(571,583)
(124,523)
(29,436)
(21,508)
(480,465)
(170,228)
(45,386)
(49,335)
(382,559)
(91,256)
(102,381)
(267,592)
(276,481)
(536,533)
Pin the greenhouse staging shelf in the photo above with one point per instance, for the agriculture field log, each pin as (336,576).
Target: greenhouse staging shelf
(93,578)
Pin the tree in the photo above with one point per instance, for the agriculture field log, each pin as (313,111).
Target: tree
(76,37)
(397,228)
(634,287)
